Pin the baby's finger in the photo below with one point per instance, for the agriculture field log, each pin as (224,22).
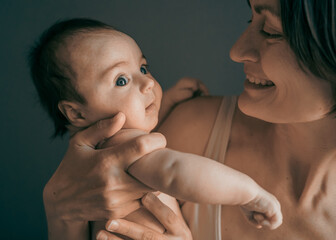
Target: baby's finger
(274,215)
(249,215)
(192,84)
(260,219)
(272,222)
(203,89)
(254,221)
(276,221)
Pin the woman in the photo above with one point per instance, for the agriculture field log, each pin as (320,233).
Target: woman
(282,134)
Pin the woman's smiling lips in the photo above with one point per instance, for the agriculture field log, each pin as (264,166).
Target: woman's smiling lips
(255,83)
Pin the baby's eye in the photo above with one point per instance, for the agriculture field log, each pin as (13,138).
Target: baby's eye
(121,81)
(144,69)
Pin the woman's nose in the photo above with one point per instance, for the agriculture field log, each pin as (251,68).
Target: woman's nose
(246,47)
(146,84)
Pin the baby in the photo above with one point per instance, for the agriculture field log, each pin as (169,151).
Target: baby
(85,71)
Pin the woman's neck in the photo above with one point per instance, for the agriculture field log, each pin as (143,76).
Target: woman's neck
(308,141)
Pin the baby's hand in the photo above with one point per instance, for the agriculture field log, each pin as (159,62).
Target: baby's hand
(184,89)
(263,211)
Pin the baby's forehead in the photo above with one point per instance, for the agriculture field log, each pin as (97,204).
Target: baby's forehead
(80,38)
(79,46)
(87,53)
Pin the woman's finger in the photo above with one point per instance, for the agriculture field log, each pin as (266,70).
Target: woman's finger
(121,211)
(171,222)
(99,131)
(133,230)
(103,235)
(130,151)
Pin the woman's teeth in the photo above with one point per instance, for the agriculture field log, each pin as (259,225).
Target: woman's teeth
(260,81)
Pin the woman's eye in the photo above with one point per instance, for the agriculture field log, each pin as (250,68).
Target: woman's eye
(270,35)
(121,81)
(144,69)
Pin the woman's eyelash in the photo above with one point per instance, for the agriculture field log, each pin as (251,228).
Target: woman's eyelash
(267,34)
(270,35)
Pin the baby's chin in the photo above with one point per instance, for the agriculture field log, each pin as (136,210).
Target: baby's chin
(147,127)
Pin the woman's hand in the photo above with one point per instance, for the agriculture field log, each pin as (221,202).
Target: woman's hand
(175,226)
(92,185)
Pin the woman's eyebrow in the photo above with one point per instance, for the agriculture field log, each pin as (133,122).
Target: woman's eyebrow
(263,7)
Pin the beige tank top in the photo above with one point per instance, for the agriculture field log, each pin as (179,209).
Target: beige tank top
(204,220)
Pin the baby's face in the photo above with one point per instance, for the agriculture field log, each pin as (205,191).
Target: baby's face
(111,74)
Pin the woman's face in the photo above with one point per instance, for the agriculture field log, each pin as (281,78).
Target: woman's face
(276,88)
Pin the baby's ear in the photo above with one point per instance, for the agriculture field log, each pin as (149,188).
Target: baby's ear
(73,112)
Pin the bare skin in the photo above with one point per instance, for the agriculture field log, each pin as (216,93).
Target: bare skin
(297,163)
(282,135)
(70,198)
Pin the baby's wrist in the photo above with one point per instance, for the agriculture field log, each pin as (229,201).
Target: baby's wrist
(253,192)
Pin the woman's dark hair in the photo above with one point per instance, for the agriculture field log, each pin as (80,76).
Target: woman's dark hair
(310,29)
(53,78)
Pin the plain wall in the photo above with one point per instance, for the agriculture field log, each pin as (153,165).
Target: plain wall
(178,37)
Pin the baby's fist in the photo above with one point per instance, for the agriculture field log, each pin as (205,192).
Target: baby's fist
(187,88)
(263,211)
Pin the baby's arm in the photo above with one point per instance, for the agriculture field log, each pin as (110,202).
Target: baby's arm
(198,179)
(184,89)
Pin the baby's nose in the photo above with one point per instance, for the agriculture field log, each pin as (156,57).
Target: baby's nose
(147,84)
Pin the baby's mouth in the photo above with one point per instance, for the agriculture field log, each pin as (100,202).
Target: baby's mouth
(150,107)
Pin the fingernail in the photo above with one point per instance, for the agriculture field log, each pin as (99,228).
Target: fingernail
(113,225)
(102,236)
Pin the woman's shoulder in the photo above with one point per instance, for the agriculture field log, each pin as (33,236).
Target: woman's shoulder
(189,125)
(193,107)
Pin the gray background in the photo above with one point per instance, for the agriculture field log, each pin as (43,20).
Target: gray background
(179,38)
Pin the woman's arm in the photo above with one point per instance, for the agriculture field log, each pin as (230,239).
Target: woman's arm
(92,184)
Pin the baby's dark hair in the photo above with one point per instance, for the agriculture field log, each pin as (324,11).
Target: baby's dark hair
(52,77)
